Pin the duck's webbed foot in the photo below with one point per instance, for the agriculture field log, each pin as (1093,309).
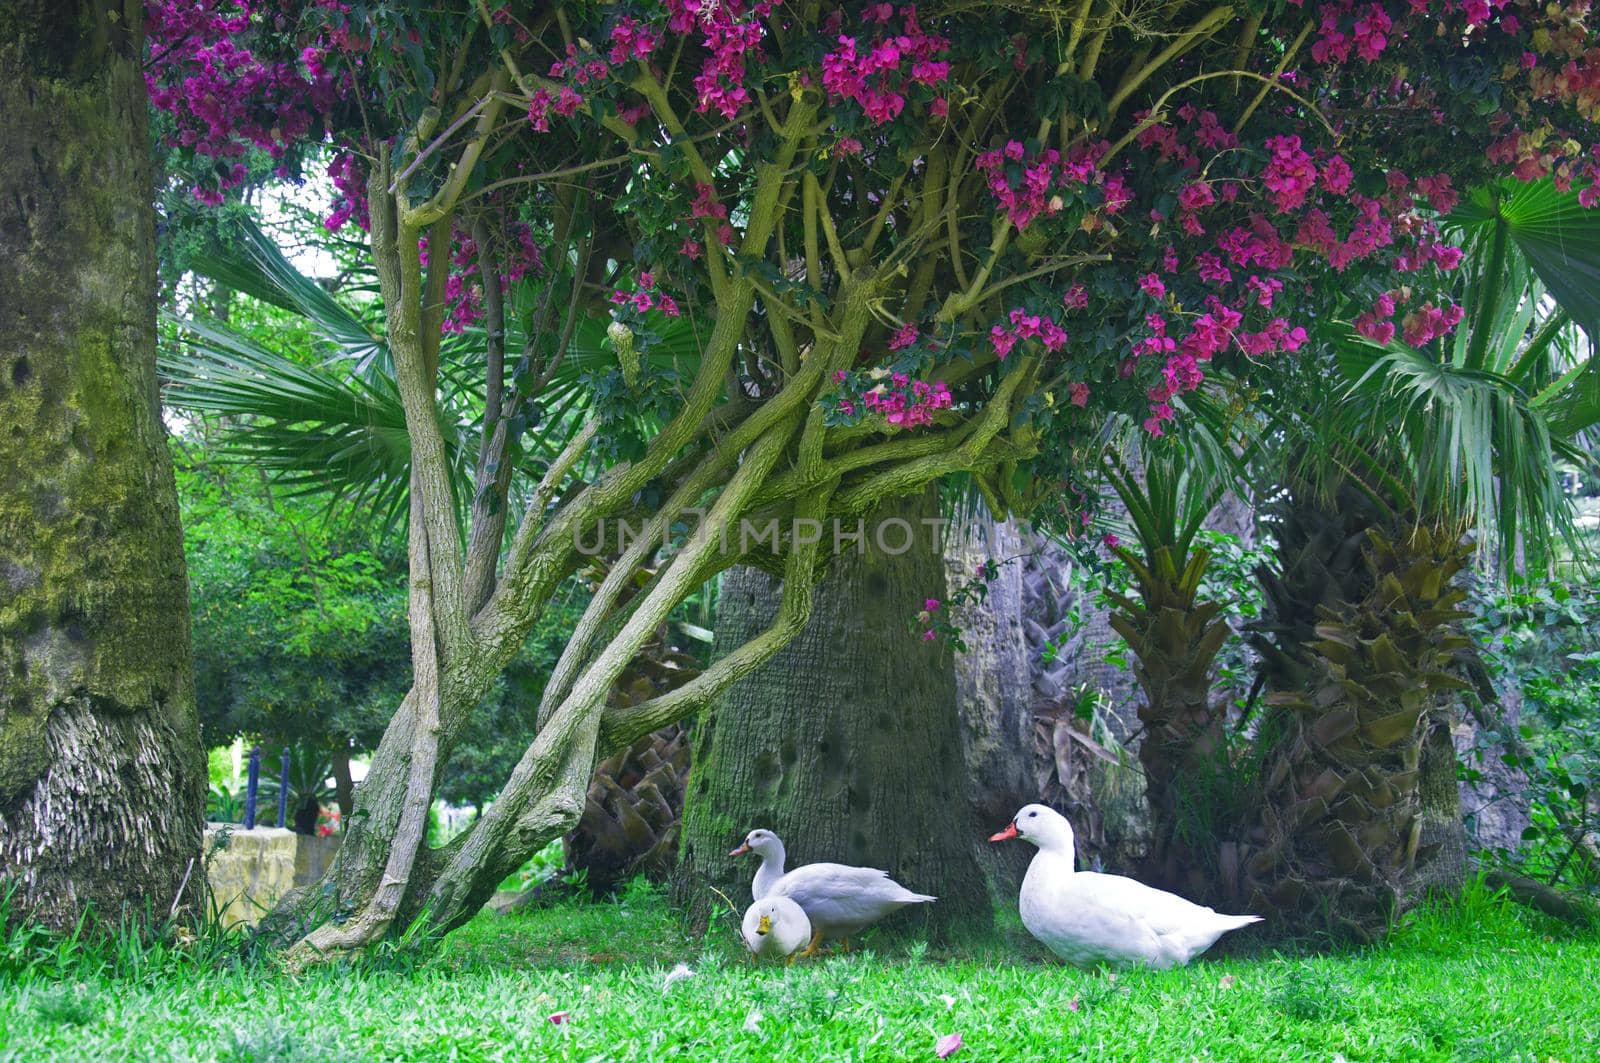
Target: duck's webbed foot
(811,949)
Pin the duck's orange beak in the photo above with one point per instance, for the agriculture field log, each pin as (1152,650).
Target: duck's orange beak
(1007,834)
(740,851)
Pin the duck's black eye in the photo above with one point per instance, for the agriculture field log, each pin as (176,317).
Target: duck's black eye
(1032,814)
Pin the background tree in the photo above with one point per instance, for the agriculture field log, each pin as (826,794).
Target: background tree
(847,743)
(102,778)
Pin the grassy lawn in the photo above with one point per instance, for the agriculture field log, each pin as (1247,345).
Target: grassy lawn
(1481,980)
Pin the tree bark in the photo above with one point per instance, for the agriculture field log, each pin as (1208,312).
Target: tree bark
(994,693)
(343,787)
(102,779)
(1361,814)
(1174,639)
(848,742)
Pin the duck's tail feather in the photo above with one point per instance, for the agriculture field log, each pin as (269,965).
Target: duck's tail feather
(1234,922)
(917,898)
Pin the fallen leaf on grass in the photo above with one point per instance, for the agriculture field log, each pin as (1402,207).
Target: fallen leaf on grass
(1074,1005)
(677,974)
(752,1021)
(1228,981)
(947,1045)
(559,1017)
(949,1001)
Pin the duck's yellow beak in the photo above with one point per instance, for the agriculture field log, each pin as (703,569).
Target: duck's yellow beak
(740,851)
(766,925)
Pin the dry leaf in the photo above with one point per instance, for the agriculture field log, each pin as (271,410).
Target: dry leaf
(947,1045)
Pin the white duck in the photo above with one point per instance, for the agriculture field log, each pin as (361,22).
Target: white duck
(1088,918)
(775,928)
(838,899)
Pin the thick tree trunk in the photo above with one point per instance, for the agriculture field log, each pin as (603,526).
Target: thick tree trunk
(102,780)
(848,742)
(1361,812)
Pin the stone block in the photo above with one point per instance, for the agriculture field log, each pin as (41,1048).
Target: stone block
(250,872)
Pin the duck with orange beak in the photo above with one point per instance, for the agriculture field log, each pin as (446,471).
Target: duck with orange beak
(775,928)
(1088,918)
(840,900)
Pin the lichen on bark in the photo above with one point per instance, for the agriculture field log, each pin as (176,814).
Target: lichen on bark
(101,773)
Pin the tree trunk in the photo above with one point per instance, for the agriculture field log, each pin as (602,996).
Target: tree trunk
(848,742)
(994,692)
(102,779)
(343,787)
(1174,639)
(1361,809)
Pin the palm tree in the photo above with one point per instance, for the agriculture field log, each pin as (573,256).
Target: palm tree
(1175,635)
(1360,644)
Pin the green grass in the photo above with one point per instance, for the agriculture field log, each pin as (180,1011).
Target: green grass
(1478,980)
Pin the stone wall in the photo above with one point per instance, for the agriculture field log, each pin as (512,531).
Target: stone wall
(248,871)
(312,856)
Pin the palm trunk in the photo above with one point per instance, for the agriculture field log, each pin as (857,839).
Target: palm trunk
(1359,788)
(102,779)
(847,743)
(1175,640)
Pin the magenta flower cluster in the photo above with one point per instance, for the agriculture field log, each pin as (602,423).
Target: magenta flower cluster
(222,98)
(1045,178)
(902,401)
(646,297)
(876,69)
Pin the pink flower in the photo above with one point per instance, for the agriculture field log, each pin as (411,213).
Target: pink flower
(1337,175)
(928,636)
(1079,393)
(1002,340)
(1151,285)
(690,248)
(647,280)
(568,102)
(1075,297)
(931,605)
(669,306)
(1196,195)
(904,337)
(1111,540)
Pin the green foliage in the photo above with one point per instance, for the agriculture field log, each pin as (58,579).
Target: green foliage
(300,636)
(1545,640)
(1229,580)
(299,621)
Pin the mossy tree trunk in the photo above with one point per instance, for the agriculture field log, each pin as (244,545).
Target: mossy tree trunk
(102,779)
(848,742)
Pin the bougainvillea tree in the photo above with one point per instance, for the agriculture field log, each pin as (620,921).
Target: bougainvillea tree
(921,240)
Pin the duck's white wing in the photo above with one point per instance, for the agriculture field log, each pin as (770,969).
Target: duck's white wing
(1078,926)
(1185,929)
(1163,912)
(840,896)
